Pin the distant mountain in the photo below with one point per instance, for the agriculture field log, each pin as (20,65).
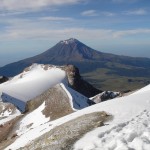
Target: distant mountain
(72,51)
(65,52)
(88,60)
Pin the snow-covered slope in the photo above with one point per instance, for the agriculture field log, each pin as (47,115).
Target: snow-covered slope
(129,128)
(30,121)
(145,89)
(34,81)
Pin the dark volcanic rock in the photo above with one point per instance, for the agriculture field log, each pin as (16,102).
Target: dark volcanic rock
(77,83)
(104,96)
(3,79)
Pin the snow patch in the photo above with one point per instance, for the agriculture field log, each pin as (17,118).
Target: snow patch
(6,113)
(32,120)
(7,116)
(77,100)
(71,40)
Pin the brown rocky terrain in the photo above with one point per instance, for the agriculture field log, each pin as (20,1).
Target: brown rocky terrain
(64,136)
(56,101)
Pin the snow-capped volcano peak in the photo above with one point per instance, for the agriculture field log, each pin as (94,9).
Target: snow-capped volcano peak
(69,41)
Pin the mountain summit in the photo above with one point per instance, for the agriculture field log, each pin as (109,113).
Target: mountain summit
(70,50)
(69,41)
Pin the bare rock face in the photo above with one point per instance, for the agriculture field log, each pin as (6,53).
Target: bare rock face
(77,83)
(3,79)
(56,101)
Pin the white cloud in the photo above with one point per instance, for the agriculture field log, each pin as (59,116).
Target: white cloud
(18,28)
(43,33)
(32,30)
(92,13)
(108,14)
(57,19)
(119,34)
(140,11)
(15,5)
(11,13)
(89,13)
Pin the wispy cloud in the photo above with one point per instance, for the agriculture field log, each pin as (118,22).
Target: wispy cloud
(117,1)
(39,32)
(125,1)
(140,11)
(42,33)
(108,14)
(56,18)
(90,13)
(93,13)
(16,5)
(11,13)
(119,34)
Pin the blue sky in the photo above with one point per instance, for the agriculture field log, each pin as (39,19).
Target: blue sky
(29,27)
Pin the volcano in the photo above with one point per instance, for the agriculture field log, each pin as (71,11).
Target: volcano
(72,51)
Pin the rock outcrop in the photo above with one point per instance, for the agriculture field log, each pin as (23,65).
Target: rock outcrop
(56,103)
(104,96)
(3,79)
(78,83)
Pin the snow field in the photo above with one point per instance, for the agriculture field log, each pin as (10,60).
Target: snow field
(134,134)
(32,120)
